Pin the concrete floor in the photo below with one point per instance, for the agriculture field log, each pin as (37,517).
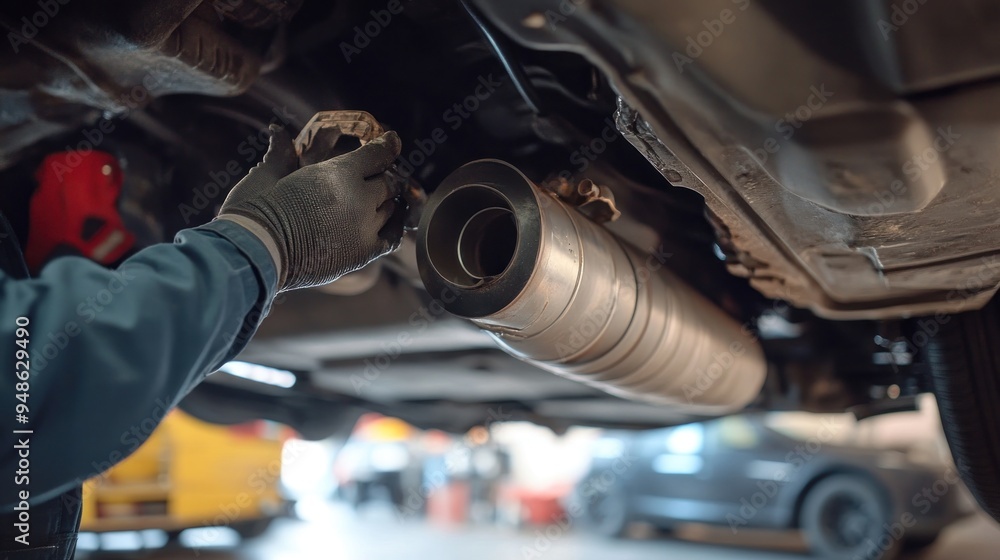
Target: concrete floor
(335,532)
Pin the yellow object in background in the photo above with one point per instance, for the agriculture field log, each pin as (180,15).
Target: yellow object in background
(192,474)
(375,427)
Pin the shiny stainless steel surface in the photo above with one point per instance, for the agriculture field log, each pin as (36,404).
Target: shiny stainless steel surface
(591,308)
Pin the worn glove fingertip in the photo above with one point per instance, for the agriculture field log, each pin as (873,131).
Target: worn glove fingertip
(392,143)
(376,156)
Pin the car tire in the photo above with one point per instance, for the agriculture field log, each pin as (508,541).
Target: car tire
(252,528)
(964,360)
(665,530)
(604,512)
(843,518)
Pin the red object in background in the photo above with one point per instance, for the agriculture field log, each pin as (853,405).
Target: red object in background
(538,508)
(448,505)
(542,510)
(74,211)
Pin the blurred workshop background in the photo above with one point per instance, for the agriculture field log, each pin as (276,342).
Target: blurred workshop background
(776,485)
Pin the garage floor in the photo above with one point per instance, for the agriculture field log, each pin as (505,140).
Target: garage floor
(335,532)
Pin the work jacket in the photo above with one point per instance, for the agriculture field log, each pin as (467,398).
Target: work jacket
(110,353)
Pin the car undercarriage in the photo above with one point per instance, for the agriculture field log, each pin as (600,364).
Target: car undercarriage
(794,206)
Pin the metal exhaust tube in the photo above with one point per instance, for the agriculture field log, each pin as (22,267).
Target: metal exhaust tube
(560,291)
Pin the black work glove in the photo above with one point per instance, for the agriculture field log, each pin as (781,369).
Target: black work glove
(323,220)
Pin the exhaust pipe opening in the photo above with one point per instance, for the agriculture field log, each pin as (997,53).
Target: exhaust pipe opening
(487,243)
(473,237)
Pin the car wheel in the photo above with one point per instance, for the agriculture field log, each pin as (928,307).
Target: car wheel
(253,528)
(605,512)
(964,361)
(665,530)
(173,539)
(844,516)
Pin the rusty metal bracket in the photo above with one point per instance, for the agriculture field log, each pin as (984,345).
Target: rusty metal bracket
(597,202)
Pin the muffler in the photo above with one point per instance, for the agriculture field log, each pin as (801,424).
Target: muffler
(561,292)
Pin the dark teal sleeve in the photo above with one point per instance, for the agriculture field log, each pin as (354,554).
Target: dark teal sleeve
(113,350)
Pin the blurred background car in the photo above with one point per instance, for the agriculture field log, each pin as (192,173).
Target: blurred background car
(741,487)
(449,478)
(192,474)
(377,461)
(816,473)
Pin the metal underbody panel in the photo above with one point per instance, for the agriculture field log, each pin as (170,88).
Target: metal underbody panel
(860,182)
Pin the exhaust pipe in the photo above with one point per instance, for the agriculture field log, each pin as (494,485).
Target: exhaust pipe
(560,291)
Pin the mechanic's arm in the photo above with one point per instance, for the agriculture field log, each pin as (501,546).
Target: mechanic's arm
(113,351)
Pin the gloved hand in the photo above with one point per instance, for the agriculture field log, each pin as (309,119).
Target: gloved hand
(323,220)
